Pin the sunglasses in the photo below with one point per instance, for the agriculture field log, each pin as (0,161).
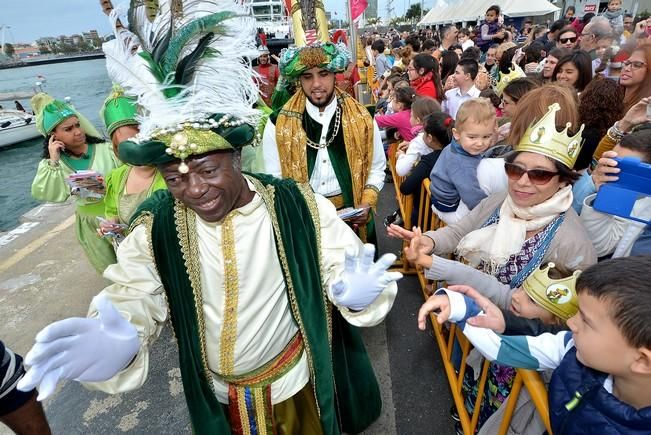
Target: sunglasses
(566,40)
(536,176)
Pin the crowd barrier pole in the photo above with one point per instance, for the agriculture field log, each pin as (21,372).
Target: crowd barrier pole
(535,386)
(406,206)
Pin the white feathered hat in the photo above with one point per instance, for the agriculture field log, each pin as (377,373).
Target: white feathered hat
(187,62)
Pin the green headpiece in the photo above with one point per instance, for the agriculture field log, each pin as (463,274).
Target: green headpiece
(118,110)
(296,60)
(50,113)
(220,132)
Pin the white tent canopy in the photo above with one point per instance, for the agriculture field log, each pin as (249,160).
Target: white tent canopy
(475,11)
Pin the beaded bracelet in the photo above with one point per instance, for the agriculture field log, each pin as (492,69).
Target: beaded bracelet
(615,133)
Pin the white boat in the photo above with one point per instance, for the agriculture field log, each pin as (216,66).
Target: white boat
(16,127)
(272,17)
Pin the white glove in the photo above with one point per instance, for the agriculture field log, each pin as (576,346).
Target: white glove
(363,280)
(81,349)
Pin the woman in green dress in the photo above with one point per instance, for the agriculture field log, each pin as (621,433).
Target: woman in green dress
(127,186)
(72,144)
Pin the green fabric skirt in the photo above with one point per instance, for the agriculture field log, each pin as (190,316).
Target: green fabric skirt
(99,251)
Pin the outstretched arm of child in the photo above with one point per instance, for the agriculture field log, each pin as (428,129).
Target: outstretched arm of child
(536,353)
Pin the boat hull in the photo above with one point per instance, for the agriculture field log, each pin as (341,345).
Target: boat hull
(14,135)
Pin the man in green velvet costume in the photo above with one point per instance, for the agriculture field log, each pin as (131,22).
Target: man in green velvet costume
(263,284)
(324,136)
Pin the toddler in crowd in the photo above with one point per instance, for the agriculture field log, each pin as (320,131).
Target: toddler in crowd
(409,154)
(454,185)
(602,365)
(437,133)
(490,29)
(615,16)
(400,118)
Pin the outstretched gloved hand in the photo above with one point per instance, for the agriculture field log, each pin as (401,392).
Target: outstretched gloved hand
(81,349)
(363,280)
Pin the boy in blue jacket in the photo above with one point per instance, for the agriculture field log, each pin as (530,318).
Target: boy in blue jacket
(602,366)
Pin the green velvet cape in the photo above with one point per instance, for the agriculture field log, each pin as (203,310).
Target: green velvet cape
(347,391)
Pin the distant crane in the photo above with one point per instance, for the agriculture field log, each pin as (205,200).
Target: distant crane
(390,10)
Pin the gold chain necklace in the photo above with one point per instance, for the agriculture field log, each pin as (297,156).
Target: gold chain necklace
(335,131)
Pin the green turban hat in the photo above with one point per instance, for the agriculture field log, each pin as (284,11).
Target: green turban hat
(220,132)
(118,110)
(296,60)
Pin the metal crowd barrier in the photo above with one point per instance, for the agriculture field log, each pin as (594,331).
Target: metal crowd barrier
(448,334)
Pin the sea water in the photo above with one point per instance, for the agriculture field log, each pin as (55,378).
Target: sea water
(85,82)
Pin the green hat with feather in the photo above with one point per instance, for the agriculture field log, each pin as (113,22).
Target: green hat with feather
(186,63)
(50,113)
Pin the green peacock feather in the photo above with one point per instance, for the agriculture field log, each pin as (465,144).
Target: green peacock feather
(163,61)
(209,23)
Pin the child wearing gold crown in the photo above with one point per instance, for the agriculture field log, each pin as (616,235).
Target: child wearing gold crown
(545,301)
(601,381)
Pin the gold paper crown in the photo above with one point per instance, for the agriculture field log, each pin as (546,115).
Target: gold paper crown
(558,296)
(514,73)
(543,138)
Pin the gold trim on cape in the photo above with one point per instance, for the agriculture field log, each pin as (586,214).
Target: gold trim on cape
(231,291)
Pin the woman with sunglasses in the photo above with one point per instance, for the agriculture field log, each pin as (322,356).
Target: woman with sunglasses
(567,38)
(508,235)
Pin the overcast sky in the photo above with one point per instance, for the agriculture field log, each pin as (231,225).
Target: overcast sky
(31,19)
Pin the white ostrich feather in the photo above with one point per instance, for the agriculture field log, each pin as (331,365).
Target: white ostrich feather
(222,83)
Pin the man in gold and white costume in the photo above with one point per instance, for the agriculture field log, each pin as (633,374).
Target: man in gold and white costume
(263,284)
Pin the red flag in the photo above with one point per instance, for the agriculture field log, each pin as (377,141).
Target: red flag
(357,7)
